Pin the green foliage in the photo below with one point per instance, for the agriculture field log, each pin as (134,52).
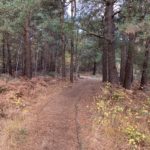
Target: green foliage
(118,95)
(119,117)
(21,135)
(52,74)
(135,137)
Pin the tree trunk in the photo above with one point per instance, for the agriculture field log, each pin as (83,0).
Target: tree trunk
(63,40)
(27,50)
(72,61)
(105,64)
(77,56)
(36,61)
(56,62)
(109,34)
(72,42)
(145,64)
(9,57)
(123,61)
(3,56)
(129,63)
(94,68)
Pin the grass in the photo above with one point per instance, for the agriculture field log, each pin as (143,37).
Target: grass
(124,117)
(19,103)
(16,134)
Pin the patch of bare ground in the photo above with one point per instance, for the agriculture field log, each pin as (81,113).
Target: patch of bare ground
(63,123)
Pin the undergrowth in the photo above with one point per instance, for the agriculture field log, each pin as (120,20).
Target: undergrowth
(16,133)
(3,89)
(124,116)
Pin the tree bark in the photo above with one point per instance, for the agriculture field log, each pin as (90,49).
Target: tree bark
(63,39)
(129,63)
(72,41)
(123,60)
(56,62)
(94,68)
(72,61)
(3,56)
(145,64)
(9,57)
(109,51)
(77,56)
(105,63)
(27,50)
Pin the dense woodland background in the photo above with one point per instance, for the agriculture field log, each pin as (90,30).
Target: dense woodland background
(64,38)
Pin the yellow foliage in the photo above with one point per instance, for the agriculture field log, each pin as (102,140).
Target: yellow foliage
(17,101)
(116,117)
(134,136)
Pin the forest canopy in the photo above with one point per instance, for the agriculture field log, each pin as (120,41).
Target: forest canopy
(65,38)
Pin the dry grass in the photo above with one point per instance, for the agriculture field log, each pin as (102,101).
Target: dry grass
(123,117)
(19,102)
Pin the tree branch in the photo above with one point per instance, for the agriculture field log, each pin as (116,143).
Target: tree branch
(117,12)
(91,33)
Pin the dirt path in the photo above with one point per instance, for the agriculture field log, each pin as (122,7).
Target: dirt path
(59,121)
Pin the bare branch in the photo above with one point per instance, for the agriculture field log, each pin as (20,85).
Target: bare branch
(117,12)
(91,33)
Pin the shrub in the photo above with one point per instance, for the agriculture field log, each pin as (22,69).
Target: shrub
(2,89)
(118,95)
(135,137)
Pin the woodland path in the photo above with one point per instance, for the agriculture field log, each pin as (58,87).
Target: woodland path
(61,120)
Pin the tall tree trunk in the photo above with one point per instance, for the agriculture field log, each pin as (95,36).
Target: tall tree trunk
(105,64)
(9,57)
(18,62)
(27,50)
(94,68)
(77,56)
(56,61)
(63,43)
(40,64)
(109,34)
(3,56)
(36,61)
(72,61)
(145,64)
(129,63)
(73,9)
(123,60)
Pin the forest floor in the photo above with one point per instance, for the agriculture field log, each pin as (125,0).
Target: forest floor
(50,114)
(46,114)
